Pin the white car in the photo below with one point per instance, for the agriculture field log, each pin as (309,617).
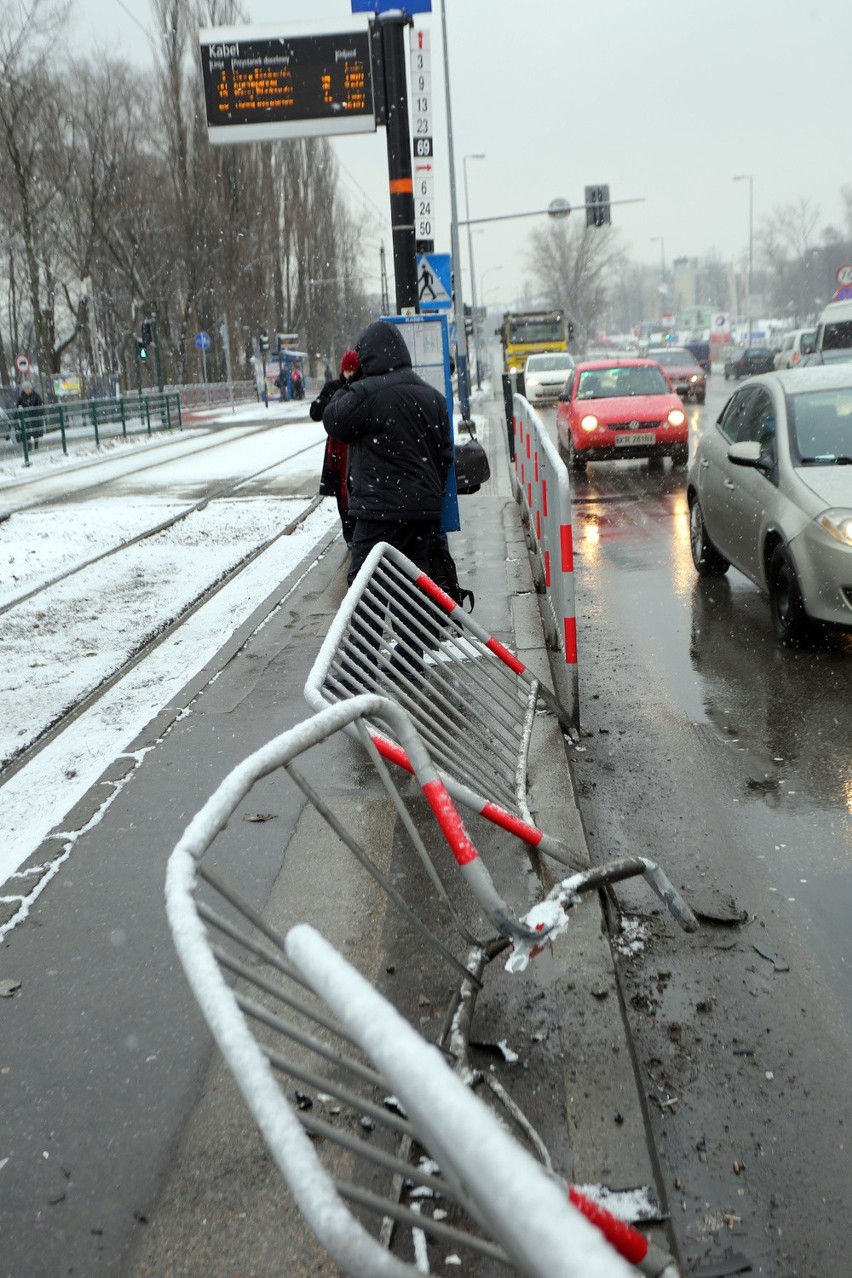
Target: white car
(795,346)
(770,491)
(545,375)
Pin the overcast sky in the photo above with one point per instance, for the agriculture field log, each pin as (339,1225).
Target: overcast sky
(665,101)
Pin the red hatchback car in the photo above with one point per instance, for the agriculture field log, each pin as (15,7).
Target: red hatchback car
(610,409)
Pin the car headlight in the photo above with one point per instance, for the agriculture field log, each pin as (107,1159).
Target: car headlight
(694,377)
(533,381)
(676,417)
(838,523)
(590,422)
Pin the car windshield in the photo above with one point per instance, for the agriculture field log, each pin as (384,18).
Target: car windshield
(532,330)
(612,383)
(548,363)
(670,358)
(821,426)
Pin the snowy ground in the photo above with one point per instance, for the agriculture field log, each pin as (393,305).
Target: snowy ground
(58,646)
(61,644)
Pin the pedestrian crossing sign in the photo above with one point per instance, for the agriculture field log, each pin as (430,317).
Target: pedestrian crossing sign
(434,282)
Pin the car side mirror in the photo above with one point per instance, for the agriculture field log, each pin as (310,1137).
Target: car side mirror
(748,453)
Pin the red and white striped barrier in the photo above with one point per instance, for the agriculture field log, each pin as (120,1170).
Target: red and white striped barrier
(543,490)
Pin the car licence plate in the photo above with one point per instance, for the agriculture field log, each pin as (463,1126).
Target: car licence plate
(635,437)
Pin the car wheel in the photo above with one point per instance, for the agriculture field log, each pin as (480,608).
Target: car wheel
(791,623)
(575,461)
(680,455)
(699,398)
(727,375)
(707,559)
(563,451)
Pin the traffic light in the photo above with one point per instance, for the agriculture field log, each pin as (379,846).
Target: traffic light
(468,319)
(263,340)
(141,349)
(597,206)
(147,334)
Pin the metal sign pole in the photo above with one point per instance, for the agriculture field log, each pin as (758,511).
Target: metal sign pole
(399,161)
(461,335)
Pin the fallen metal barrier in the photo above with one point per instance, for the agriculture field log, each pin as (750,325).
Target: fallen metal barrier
(393,1161)
(542,488)
(473,701)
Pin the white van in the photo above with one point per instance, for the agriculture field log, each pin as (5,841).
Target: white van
(794,346)
(834,334)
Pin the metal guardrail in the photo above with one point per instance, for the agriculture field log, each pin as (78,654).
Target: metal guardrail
(542,488)
(211,394)
(472,700)
(91,418)
(345,1092)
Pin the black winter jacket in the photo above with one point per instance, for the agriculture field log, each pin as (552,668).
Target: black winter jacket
(319,405)
(398,431)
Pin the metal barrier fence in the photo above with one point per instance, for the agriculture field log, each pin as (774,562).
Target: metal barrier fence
(210,394)
(542,488)
(91,418)
(345,1092)
(473,702)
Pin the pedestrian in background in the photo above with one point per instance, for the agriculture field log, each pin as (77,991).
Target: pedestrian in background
(397,430)
(334,463)
(29,397)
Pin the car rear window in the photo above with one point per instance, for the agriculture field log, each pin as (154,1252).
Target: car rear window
(836,337)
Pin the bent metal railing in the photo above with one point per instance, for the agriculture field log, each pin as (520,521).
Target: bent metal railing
(394,1163)
(542,489)
(474,703)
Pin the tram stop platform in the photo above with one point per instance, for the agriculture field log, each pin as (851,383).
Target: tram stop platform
(164,1172)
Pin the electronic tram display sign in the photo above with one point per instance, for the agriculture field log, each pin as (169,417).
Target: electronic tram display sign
(260,85)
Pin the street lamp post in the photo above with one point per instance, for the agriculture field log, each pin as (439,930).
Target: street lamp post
(479,155)
(658,239)
(748,177)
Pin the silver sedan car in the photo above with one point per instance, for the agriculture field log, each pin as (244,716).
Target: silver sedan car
(770,491)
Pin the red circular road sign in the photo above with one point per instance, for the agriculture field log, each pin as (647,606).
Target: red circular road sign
(22,363)
(843,274)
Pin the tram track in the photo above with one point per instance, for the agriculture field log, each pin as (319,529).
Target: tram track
(148,644)
(226,490)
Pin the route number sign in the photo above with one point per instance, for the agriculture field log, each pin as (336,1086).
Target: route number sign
(259,86)
(421,140)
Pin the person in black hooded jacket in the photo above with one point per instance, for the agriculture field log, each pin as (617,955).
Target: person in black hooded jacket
(400,448)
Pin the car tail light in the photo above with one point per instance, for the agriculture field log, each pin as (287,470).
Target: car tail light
(795,359)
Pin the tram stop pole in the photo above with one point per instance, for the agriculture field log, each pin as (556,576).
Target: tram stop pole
(400,183)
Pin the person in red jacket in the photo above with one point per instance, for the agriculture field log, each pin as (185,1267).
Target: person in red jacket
(335,459)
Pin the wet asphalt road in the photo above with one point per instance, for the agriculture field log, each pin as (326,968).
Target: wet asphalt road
(708,747)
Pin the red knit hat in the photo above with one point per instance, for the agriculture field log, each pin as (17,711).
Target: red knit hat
(350,362)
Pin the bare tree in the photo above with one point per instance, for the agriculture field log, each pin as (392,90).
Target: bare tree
(576,268)
(37,164)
